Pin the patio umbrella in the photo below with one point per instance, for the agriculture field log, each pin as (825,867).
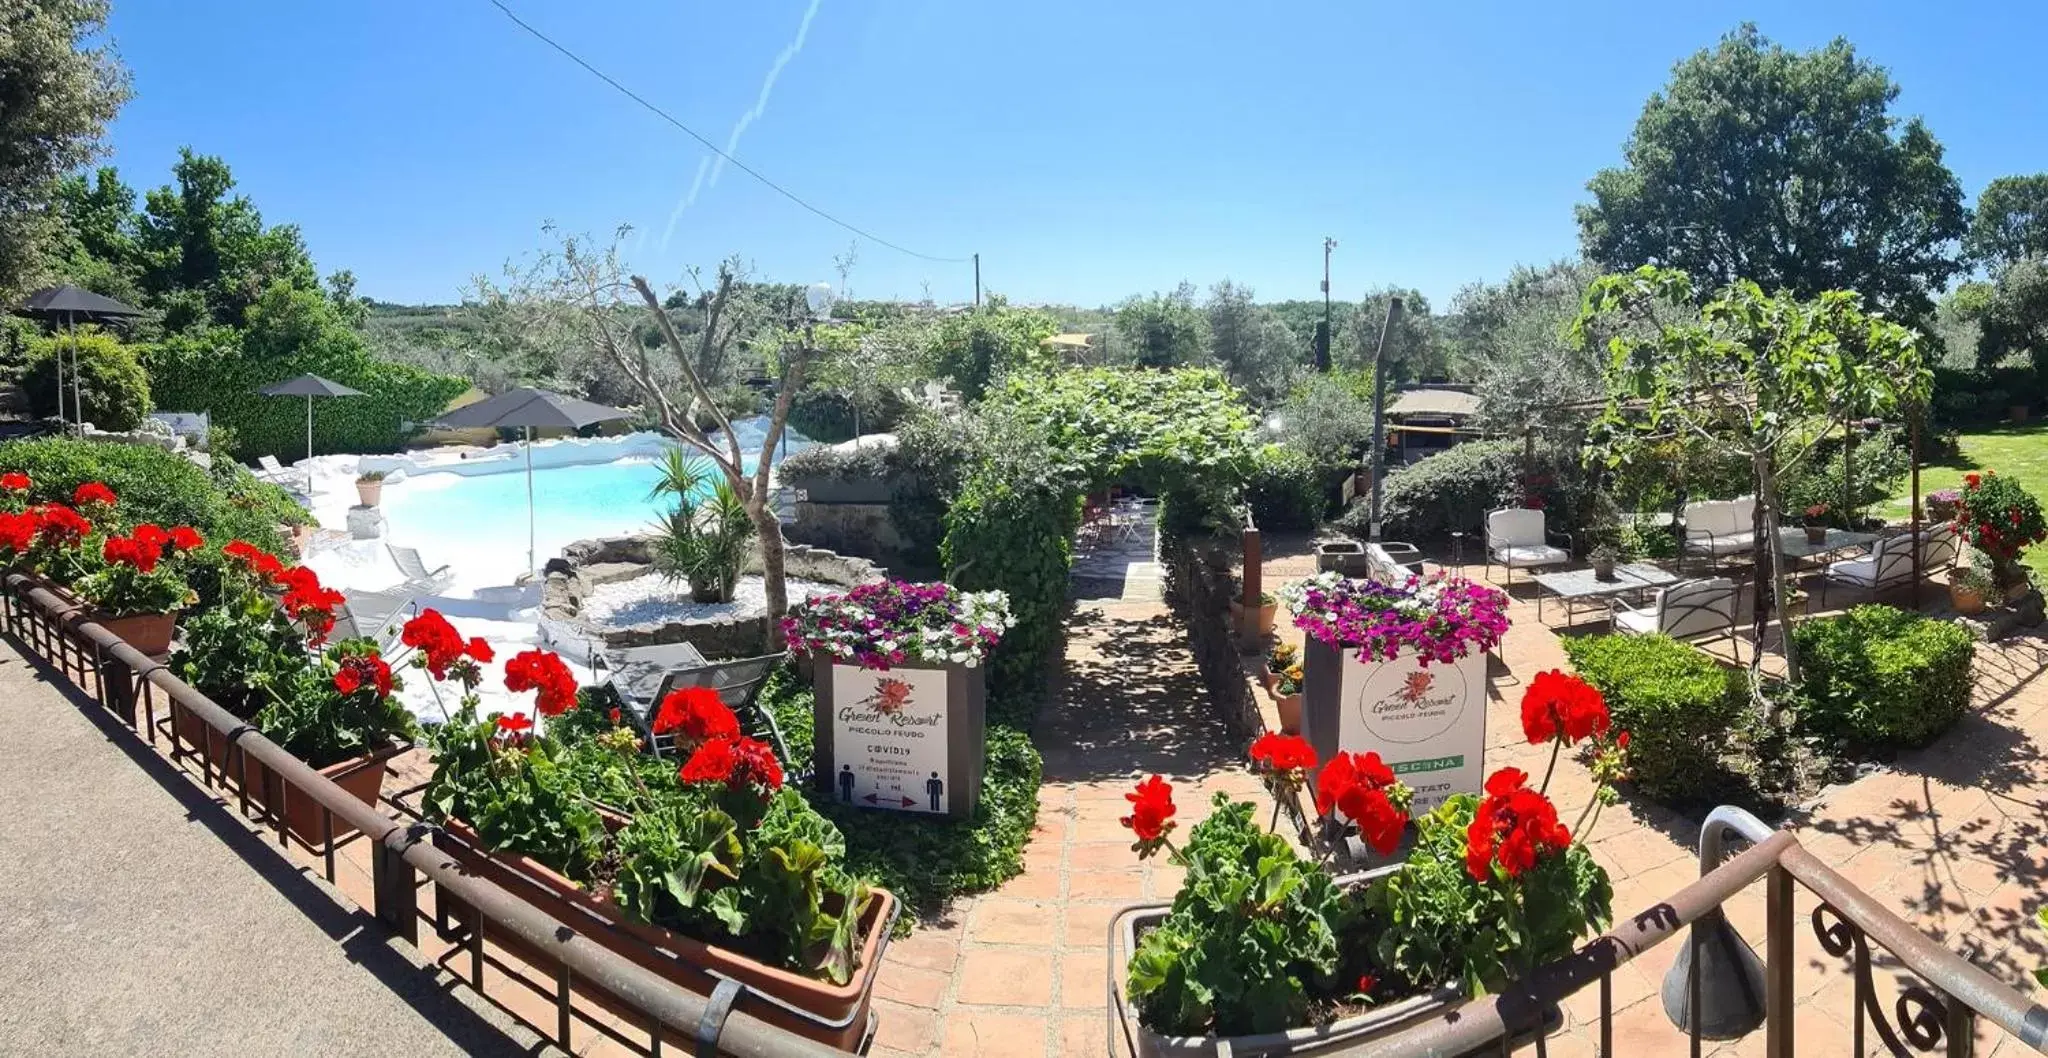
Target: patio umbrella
(309,386)
(70,306)
(529,409)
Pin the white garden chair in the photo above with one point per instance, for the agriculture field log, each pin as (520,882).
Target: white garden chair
(1889,564)
(1718,529)
(375,615)
(1688,610)
(270,470)
(1518,538)
(1390,562)
(418,578)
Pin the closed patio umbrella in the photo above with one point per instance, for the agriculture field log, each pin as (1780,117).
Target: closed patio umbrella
(71,306)
(309,386)
(529,409)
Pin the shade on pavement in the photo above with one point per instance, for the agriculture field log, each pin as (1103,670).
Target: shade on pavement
(530,409)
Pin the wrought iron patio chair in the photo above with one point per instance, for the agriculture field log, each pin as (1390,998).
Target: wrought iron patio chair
(1688,610)
(1519,538)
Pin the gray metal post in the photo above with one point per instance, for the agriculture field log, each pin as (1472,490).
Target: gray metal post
(1379,411)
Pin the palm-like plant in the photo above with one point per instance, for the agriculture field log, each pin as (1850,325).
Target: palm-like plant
(702,541)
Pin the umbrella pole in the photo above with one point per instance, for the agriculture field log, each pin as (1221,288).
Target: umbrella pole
(529,502)
(77,405)
(309,444)
(59,350)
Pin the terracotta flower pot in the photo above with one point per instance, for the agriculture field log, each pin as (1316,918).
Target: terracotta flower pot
(369,491)
(1268,612)
(836,1015)
(1965,600)
(148,632)
(362,777)
(1289,708)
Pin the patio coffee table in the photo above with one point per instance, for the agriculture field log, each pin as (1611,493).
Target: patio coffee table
(1573,585)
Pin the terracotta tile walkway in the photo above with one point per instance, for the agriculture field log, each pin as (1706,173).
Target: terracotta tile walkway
(1949,837)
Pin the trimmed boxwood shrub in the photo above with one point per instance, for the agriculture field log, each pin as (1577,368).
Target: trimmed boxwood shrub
(1678,706)
(1285,490)
(1883,677)
(112,385)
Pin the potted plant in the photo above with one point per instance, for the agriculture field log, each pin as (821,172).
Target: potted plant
(1942,504)
(714,869)
(2001,519)
(139,584)
(1287,698)
(1282,657)
(370,487)
(1815,518)
(339,717)
(1494,886)
(1603,559)
(1968,587)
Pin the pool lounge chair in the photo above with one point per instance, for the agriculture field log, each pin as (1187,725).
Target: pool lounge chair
(374,615)
(643,676)
(418,577)
(270,470)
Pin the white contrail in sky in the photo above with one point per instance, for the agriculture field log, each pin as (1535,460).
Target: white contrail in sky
(709,169)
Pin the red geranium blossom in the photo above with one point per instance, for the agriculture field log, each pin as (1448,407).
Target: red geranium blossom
(186,538)
(14,481)
(255,559)
(92,492)
(439,644)
(309,603)
(1283,753)
(1558,705)
(18,531)
(479,651)
(515,725)
(734,760)
(1151,812)
(1514,827)
(1357,788)
(695,714)
(542,671)
(366,671)
(138,552)
(614,715)
(59,525)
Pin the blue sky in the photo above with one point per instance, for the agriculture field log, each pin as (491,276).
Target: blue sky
(1087,149)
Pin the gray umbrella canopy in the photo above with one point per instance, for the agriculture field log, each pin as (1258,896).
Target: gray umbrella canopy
(70,304)
(531,408)
(308,386)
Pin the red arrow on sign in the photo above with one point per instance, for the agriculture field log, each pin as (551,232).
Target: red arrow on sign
(873,800)
(907,802)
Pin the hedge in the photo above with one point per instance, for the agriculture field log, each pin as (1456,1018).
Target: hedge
(113,385)
(1285,491)
(1883,677)
(1678,706)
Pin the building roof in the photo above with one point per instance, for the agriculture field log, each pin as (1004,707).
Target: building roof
(1071,339)
(1452,403)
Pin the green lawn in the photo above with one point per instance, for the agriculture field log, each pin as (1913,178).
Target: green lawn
(2020,452)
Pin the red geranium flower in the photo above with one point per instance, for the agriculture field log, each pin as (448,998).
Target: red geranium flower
(92,492)
(186,538)
(515,724)
(255,559)
(614,715)
(308,602)
(1151,812)
(542,671)
(1283,753)
(135,552)
(695,714)
(1514,827)
(366,671)
(439,644)
(17,531)
(1357,788)
(1558,705)
(1973,480)
(14,481)
(1365,983)
(479,651)
(59,525)
(733,760)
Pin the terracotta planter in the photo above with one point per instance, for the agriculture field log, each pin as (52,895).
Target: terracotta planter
(1965,600)
(1816,534)
(149,632)
(1603,570)
(362,777)
(1289,708)
(1268,612)
(836,1015)
(369,490)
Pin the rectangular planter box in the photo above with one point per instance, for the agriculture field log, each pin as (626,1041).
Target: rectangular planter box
(892,743)
(1347,557)
(836,1015)
(360,776)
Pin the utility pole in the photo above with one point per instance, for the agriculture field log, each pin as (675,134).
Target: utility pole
(1379,411)
(977,281)
(1324,339)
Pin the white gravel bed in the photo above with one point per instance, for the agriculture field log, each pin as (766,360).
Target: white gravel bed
(655,599)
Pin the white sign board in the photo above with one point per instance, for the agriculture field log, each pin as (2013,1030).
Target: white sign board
(889,738)
(1428,723)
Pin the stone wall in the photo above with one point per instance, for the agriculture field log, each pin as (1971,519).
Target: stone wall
(1198,587)
(863,529)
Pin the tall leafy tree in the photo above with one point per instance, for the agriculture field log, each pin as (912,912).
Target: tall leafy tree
(60,83)
(2011,222)
(1414,352)
(1511,337)
(1256,351)
(1163,330)
(1787,169)
(207,255)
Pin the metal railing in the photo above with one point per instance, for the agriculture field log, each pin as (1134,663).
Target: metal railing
(1718,990)
(129,683)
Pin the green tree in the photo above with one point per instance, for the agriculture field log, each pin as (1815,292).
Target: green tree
(1511,339)
(96,248)
(1786,169)
(206,256)
(1163,330)
(2011,312)
(1414,352)
(1256,351)
(2011,222)
(60,84)
(1766,377)
(1327,416)
(975,348)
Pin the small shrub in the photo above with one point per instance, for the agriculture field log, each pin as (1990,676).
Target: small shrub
(1285,491)
(112,384)
(1638,540)
(1882,676)
(1677,704)
(825,461)
(1452,489)
(160,487)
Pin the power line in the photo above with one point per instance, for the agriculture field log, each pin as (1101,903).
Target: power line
(708,145)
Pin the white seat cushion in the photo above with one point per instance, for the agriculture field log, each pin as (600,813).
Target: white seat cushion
(1639,622)
(1523,556)
(1726,544)
(1861,571)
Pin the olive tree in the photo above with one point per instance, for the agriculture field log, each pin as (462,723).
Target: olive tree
(1761,376)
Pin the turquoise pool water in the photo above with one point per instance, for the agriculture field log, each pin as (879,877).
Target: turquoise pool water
(486,513)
